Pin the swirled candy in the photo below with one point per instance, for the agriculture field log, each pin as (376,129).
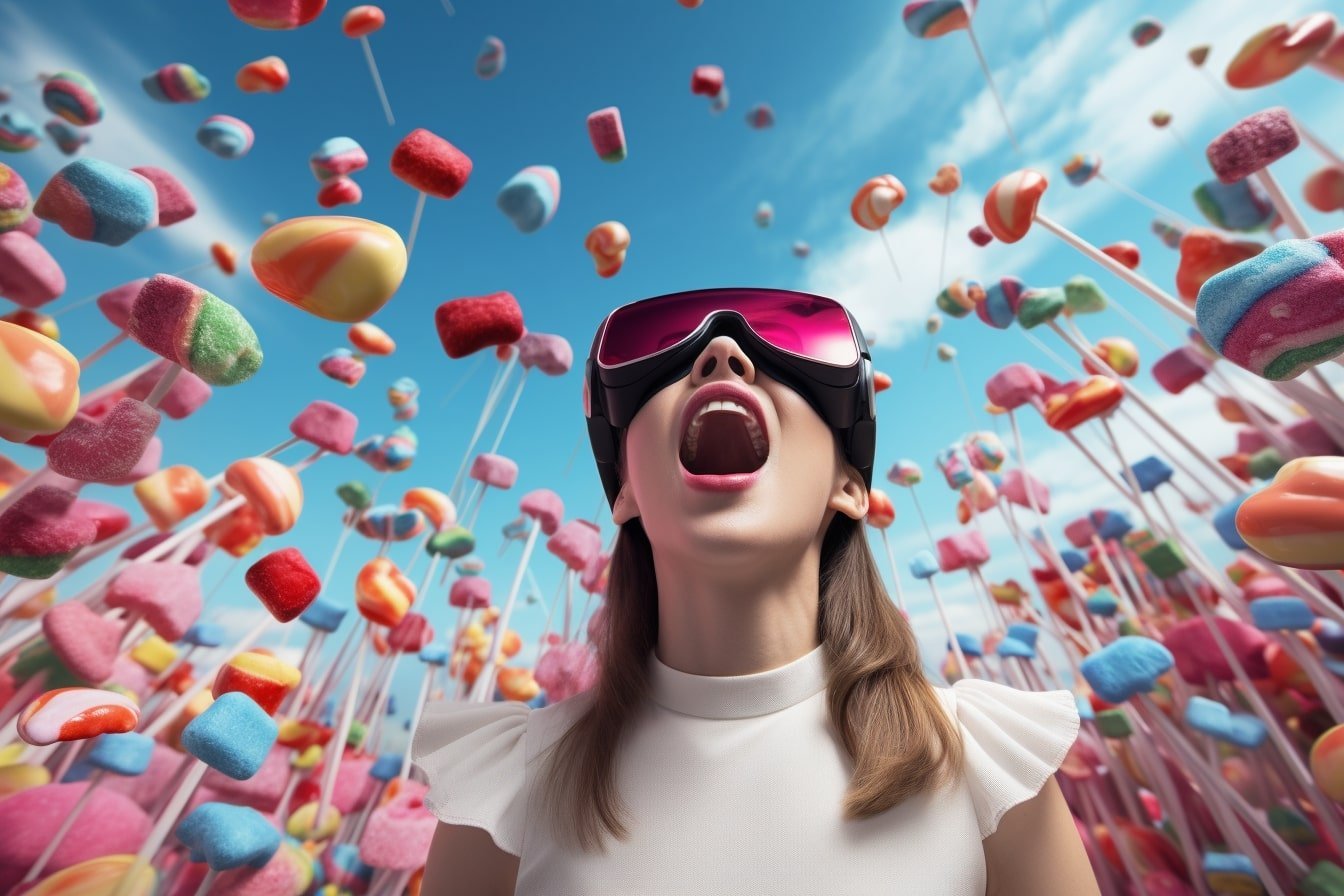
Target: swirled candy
(18,132)
(1010,205)
(1279,50)
(176,82)
(73,97)
(277,15)
(1206,252)
(76,714)
(1298,519)
(272,489)
(960,298)
(607,243)
(94,200)
(905,473)
(16,204)
(946,180)
(266,75)
(1001,302)
(389,522)
(343,366)
(68,139)
(225,136)
(39,384)
(383,595)
(337,156)
(874,202)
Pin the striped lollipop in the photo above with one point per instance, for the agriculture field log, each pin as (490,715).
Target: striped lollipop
(872,206)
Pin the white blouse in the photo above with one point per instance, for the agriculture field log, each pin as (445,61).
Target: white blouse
(735,784)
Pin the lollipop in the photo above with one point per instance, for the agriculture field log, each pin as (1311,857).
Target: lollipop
(1279,50)
(272,489)
(266,75)
(337,156)
(343,366)
(225,136)
(1145,32)
(359,23)
(39,384)
(608,243)
(431,165)
(195,329)
(872,206)
(382,594)
(76,714)
(530,198)
(176,82)
(277,15)
(490,58)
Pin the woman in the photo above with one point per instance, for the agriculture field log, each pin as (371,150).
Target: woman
(761,723)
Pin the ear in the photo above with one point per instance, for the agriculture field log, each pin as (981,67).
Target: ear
(625,507)
(850,495)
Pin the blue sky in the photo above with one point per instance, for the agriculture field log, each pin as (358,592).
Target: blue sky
(854,95)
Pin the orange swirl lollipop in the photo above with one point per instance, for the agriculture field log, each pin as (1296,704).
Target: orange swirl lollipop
(1010,205)
(1298,519)
(382,594)
(873,204)
(881,512)
(946,180)
(272,489)
(1279,50)
(171,495)
(607,243)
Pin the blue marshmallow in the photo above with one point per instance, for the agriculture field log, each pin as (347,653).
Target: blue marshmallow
(924,565)
(1102,603)
(970,645)
(232,736)
(1281,613)
(386,767)
(1074,560)
(1110,524)
(1127,666)
(225,836)
(1085,711)
(323,615)
(122,754)
(1151,472)
(1014,647)
(434,654)
(1024,632)
(204,634)
(1225,524)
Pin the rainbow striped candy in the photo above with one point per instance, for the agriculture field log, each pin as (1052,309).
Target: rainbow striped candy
(176,82)
(74,97)
(934,18)
(530,198)
(18,132)
(225,136)
(16,204)
(337,156)
(1081,168)
(68,139)
(490,60)
(94,200)
(1145,31)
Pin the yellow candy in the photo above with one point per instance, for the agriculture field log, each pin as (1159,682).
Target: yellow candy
(334,267)
(309,758)
(300,824)
(39,384)
(154,653)
(12,753)
(99,877)
(14,778)
(1327,762)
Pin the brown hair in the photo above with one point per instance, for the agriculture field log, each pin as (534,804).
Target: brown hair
(888,717)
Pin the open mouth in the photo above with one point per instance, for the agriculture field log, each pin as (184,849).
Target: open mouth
(723,437)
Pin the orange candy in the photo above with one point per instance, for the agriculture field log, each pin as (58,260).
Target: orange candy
(382,594)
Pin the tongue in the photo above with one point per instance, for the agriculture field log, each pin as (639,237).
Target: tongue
(724,446)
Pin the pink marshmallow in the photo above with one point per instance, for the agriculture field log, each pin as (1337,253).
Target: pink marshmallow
(107,449)
(84,641)
(1197,654)
(1180,368)
(147,788)
(109,519)
(1014,386)
(576,543)
(549,353)
(544,505)
(1311,437)
(1250,440)
(1266,586)
(129,674)
(110,823)
(263,791)
(470,593)
(29,276)
(354,785)
(187,393)
(593,579)
(1014,487)
(326,425)
(1252,144)
(175,201)
(495,470)
(116,302)
(166,595)
(281,876)
(147,465)
(40,525)
(962,551)
(398,835)
(1080,532)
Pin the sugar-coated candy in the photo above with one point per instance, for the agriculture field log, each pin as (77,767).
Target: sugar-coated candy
(41,531)
(115,304)
(398,834)
(411,634)
(29,276)
(961,297)
(39,383)
(706,80)
(105,449)
(166,595)
(935,18)
(225,136)
(196,329)
(343,366)
(225,836)
(175,201)
(607,134)
(339,191)
(1323,190)
(608,243)
(76,714)
(490,58)
(1170,234)
(1296,519)
(530,198)
(354,495)
(431,164)
(1241,206)
(232,736)
(382,594)
(94,200)
(437,507)
(495,470)
(18,132)
(125,753)
(1124,252)
(1145,31)
(576,543)
(334,267)
(68,138)
(171,495)
(328,426)
(271,488)
(277,15)
(1277,51)
(1206,252)
(547,352)
(946,180)
(1127,666)
(72,96)
(370,339)
(1014,385)
(1081,168)
(264,678)
(16,203)
(1010,205)
(1277,314)
(1179,369)
(1198,655)
(266,75)
(468,325)
(86,643)
(109,519)
(875,200)
(388,522)
(337,156)
(1251,144)
(1117,353)
(176,82)
(154,653)
(323,615)
(361,21)
(284,582)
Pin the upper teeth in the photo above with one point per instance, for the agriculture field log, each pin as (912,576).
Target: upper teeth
(753,428)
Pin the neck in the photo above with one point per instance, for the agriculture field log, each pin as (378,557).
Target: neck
(737,617)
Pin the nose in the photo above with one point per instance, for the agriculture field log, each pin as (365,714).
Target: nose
(722,358)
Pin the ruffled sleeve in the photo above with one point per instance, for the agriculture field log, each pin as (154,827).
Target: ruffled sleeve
(1014,741)
(474,757)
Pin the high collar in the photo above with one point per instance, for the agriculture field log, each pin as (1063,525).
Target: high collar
(737,696)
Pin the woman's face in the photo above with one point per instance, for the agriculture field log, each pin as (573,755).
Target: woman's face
(727,457)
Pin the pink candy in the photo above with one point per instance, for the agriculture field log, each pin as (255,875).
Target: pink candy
(398,834)
(166,595)
(116,302)
(962,551)
(576,543)
(84,641)
(1014,386)
(185,396)
(544,506)
(106,449)
(1014,487)
(1180,368)
(495,470)
(326,425)
(29,276)
(175,201)
(470,593)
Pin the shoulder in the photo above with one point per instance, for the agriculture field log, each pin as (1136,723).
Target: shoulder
(1013,741)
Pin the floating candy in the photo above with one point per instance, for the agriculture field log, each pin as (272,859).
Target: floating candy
(106,449)
(764,215)
(391,453)
(16,204)
(946,180)
(73,97)
(403,390)
(1279,50)
(226,836)
(935,18)
(1010,205)
(761,116)
(35,321)
(171,495)
(67,139)
(1266,314)
(18,132)
(530,198)
(196,329)
(1160,119)
(719,102)
(260,676)
(608,243)
(607,135)
(431,165)
(339,191)
(1296,520)
(1080,169)
(1124,252)
(272,489)
(801,249)
(1170,234)
(176,82)
(1084,296)
(29,276)
(1331,59)
(358,24)
(1117,353)
(873,204)
(707,80)
(39,384)
(388,522)
(382,594)
(225,136)
(336,268)
(1205,253)
(470,324)
(1324,190)
(490,58)
(962,297)
(277,15)
(266,75)
(337,156)
(1145,31)
(76,714)
(93,200)
(175,201)
(343,366)
(1198,55)
(980,235)
(1241,206)
(1251,144)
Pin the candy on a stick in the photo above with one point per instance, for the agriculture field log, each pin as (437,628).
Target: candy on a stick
(1249,147)
(1145,31)
(383,594)
(225,836)
(358,23)
(68,139)
(1038,306)
(85,642)
(266,75)
(328,426)
(343,366)
(1295,520)
(18,132)
(337,156)
(195,329)
(277,15)
(176,82)
(1124,252)
(42,324)
(93,200)
(1277,51)
(264,678)
(398,835)
(1323,190)
(1118,353)
(72,96)
(41,531)
(68,714)
(980,235)
(340,190)
(468,325)
(171,495)
(271,488)
(1206,252)
(109,519)
(106,449)
(411,634)
(1331,57)
(607,134)
(166,595)
(225,136)
(115,304)
(547,352)
(608,243)
(232,736)
(1241,206)
(801,249)
(29,276)
(490,58)
(530,198)
(765,214)
(1179,369)
(706,80)
(334,267)
(389,523)
(225,258)
(175,201)
(872,206)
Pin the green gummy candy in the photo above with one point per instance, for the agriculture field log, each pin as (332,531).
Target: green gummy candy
(1164,560)
(224,348)
(355,495)
(1039,306)
(43,567)
(1084,296)
(1114,723)
(358,731)
(1325,879)
(1265,463)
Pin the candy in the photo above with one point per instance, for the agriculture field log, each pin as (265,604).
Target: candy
(16,205)
(225,258)
(303,822)
(343,366)
(337,156)
(73,97)
(93,200)
(18,132)
(469,593)
(260,676)
(706,80)
(1010,205)
(934,18)
(232,736)
(176,82)
(1324,190)
(175,201)
(905,473)
(431,164)
(109,519)
(67,139)
(1039,306)
(1160,118)
(801,249)
(1084,296)
(76,714)
(490,58)
(411,634)
(964,550)
(1198,655)
(284,583)
(106,449)
(470,324)
(495,470)
(1273,314)
(1021,488)
(339,191)
(328,426)
(1328,771)
(271,488)
(608,243)
(1331,59)
(370,339)
(761,116)
(1145,31)
(607,135)
(382,594)
(576,543)
(1170,234)
(110,827)
(764,215)
(961,298)
(393,452)
(29,276)
(946,180)
(336,268)
(1240,206)
(277,14)
(171,495)
(116,303)
(1179,369)
(1295,520)
(545,507)
(453,542)
(1279,50)
(398,834)
(1014,386)
(39,383)
(1076,403)
(266,75)
(166,595)
(86,643)
(874,202)
(361,21)
(1206,252)
(225,136)
(529,199)
(125,753)
(196,329)
(389,523)
(323,615)
(547,352)
(225,836)
(1118,353)
(1124,252)
(1198,54)
(1127,666)
(1080,169)
(1251,144)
